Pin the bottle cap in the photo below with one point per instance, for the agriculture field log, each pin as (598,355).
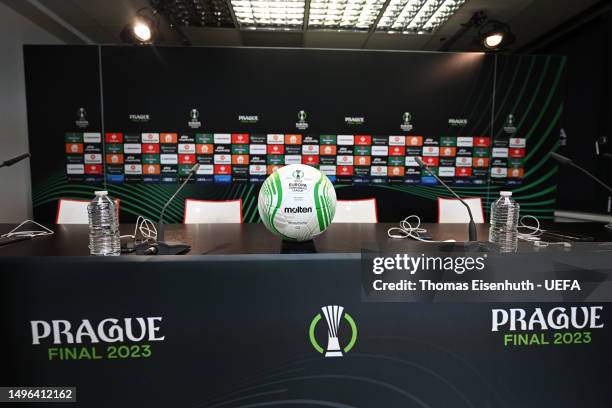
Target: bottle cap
(505,193)
(101,193)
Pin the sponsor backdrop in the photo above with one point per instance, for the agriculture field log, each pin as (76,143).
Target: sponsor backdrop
(134,120)
(244,335)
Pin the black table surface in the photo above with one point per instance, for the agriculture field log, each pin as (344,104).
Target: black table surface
(222,239)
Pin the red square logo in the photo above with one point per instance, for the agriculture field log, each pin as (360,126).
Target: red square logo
(363,140)
(515,152)
(150,148)
(431,160)
(240,138)
(93,169)
(276,149)
(397,150)
(186,159)
(463,171)
(344,170)
(223,169)
(310,159)
(481,141)
(113,137)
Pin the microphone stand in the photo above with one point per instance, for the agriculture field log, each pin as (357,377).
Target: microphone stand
(162,247)
(472,234)
(566,160)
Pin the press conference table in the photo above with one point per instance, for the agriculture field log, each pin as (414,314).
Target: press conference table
(233,319)
(225,239)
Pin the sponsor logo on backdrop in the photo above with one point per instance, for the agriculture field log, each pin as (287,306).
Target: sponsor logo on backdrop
(193,122)
(301,123)
(457,122)
(376,155)
(335,316)
(354,120)
(406,126)
(109,338)
(542,326)
(509,126)
(82,121)
(248,118)
(139,117)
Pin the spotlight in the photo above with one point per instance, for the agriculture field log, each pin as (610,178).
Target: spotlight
(142,29)
(495,35)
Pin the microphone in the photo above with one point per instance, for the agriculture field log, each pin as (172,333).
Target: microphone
(472,225)
(14,160)
(162,247)
(567,161)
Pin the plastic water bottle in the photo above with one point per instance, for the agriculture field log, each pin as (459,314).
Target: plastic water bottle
(103,226)
(504,222)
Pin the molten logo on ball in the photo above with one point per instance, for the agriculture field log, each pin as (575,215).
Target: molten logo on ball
(297,202)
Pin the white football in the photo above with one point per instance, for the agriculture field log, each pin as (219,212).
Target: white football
(297,202)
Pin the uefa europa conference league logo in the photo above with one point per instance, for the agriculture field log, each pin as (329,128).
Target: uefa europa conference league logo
(406,126)
(82,121)
(194,123)
(68,340)
(302,124)
(334,315)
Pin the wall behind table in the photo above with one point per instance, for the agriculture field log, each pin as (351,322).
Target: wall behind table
(274,84)
(15,30)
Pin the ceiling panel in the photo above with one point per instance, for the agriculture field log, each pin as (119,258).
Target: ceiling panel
(212,37)
(102,20)
(272,39)
(323,39)
(386,41)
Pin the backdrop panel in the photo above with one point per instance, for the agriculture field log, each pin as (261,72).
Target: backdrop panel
(483,122)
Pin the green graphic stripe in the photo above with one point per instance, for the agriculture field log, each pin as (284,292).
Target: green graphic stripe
(544,137)
(534,95)
(551,93)
(538,181)
(508,89)
(276,182)
(477,103)
(255,211)
(175,209)
(522,91)
(42,192)
(320,219)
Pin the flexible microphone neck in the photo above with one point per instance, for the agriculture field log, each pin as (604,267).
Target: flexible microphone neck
(472,234)
(160,223)
(14,160)
(566,160)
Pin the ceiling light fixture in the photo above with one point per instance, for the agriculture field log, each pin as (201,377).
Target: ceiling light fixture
(272,15)
(341,15)
(495,35)
(198,13)
(417,16)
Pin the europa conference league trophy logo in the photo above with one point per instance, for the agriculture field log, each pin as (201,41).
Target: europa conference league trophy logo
(302,124)
(298,174)
(406,126)
(333,316)
(82,121)
(509,126)
(194,123)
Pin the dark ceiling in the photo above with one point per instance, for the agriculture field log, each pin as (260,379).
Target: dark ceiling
(101,21)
